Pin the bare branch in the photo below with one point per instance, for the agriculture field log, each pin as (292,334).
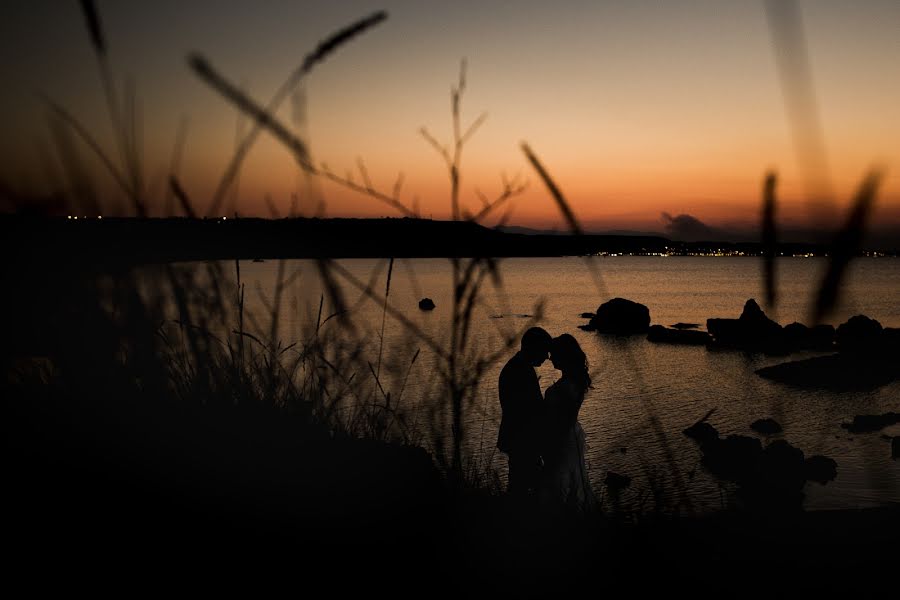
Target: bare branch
(397,185)
(364,174)
(437,146)
(473,127)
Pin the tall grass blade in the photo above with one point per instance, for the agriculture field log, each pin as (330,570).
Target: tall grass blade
(92,19)
(561,202)
(340,37)
(846,245)
(769,239)
(76,126)
(792,58)
(182,197)
(387,293)
(263,117)
(322,51)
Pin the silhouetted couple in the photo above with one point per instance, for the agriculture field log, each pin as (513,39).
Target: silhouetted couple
(540,434)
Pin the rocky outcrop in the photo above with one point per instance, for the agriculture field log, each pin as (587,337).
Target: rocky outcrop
(834,372)
(753,331)
(864,337)
(860,335)
(426,304)
(686,326)
(867,356)
(664,335)
(732,458)
(782,469)
(701,432)
(622,317)
(870,423)
(800,337)
(769,478)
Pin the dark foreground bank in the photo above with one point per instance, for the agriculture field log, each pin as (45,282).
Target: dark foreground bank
(132,497)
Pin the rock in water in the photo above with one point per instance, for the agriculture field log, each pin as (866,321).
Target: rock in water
(801,337)
(766,426)
(426,304)
(834,372)
(820,469)
(615,481)
(860,335)
(869,423)
(733,458)
(752,331)
(702,432)
(622,317)
(782,466)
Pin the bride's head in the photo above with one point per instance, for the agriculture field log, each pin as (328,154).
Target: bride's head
(568,357)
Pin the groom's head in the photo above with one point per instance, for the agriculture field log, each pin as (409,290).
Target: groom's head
(536,346)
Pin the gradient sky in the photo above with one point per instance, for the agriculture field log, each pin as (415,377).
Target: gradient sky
(635,107)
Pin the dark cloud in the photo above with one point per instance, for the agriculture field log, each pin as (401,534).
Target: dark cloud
(688,228)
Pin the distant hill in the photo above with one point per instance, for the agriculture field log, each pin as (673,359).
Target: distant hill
(529,231)
(130,240)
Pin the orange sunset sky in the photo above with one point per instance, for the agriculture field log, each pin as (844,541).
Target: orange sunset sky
(636,108)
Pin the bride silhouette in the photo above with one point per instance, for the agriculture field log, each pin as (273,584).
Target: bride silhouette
(565,478)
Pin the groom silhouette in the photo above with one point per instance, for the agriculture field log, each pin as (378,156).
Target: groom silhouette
(521,402)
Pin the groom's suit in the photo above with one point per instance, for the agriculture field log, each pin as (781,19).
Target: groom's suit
(521,402)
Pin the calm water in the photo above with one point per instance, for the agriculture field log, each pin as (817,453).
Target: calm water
(644,394)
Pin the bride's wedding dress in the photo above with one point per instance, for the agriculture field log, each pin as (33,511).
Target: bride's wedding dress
(565,477)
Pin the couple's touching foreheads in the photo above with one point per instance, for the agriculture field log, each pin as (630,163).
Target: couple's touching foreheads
(540,433)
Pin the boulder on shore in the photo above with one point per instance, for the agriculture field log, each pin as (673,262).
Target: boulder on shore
(621,316)
(665,335)
(426,304)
